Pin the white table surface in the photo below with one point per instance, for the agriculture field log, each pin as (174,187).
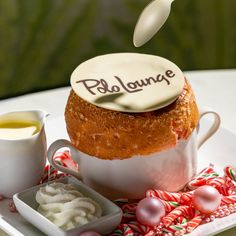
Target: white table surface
(215,89)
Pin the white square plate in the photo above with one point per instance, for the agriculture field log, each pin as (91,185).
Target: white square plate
(219,150)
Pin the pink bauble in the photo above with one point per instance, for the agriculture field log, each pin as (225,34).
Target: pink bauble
(90,233)
(206,199)
(149,211)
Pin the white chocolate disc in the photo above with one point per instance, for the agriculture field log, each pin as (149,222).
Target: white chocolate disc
(128,82)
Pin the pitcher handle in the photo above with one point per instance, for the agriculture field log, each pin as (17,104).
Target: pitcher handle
(212,129)
(54,147)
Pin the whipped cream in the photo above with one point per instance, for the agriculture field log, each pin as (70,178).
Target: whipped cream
(65,206)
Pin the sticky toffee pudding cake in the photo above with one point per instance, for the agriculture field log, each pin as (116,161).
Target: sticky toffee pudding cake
(132,120)
(108,134)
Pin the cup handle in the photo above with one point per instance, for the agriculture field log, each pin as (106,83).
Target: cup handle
(213,128)
(54,147)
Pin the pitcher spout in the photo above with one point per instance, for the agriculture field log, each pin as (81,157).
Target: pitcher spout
(42,113)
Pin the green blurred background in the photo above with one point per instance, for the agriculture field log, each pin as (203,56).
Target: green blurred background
(42,41)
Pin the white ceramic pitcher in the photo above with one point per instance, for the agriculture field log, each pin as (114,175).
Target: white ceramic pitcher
(22,161)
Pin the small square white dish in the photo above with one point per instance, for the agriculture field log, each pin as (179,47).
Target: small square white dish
(27,206)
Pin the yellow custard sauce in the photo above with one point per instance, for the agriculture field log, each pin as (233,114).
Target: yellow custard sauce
(18,129)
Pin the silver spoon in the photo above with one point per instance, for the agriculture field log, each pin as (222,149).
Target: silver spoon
(151,20)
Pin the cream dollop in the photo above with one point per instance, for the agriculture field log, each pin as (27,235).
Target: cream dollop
(65,206)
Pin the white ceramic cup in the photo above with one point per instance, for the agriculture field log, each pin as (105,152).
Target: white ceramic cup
(168,170)
(22,161)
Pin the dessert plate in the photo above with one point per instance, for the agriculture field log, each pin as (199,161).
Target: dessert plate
(219,150)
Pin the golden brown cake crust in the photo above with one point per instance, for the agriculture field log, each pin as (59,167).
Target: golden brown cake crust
(111,135)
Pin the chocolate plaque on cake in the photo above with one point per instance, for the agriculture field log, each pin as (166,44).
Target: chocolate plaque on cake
(128,82)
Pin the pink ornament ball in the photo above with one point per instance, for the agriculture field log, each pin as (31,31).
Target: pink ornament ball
(149,211)
(90,233)
(206,199)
